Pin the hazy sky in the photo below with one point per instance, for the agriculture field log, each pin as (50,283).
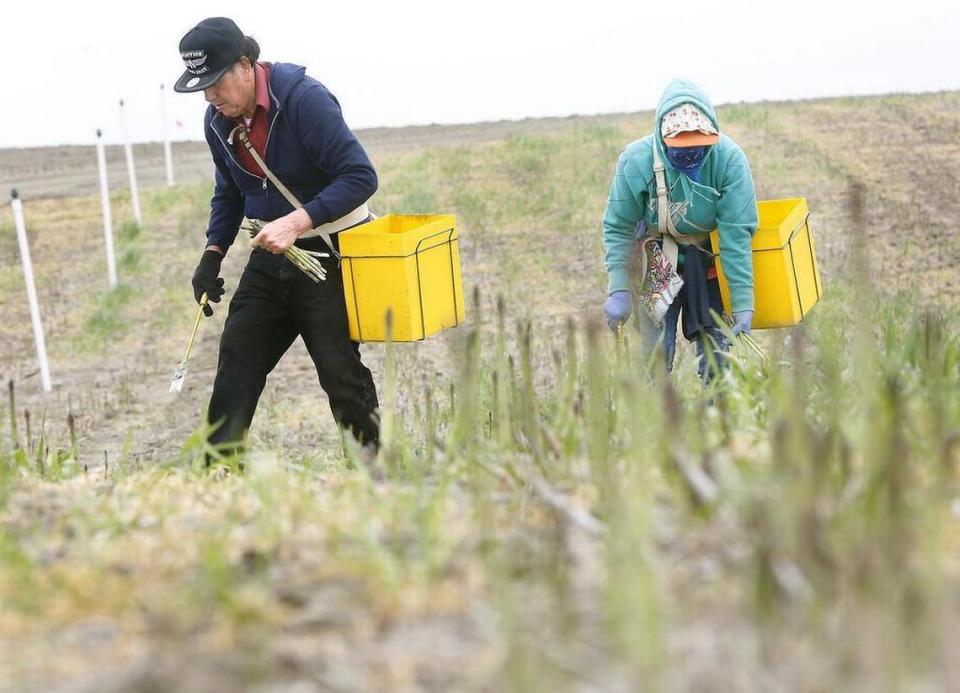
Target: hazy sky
(417,62)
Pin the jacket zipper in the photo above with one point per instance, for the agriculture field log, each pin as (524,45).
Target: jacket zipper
(276,115)
(228,150)
(263,181)
(266,143)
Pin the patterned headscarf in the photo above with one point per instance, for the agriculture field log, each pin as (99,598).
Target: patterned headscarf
(686,118)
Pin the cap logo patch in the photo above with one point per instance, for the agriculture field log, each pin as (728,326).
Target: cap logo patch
(195,61)
(193,82)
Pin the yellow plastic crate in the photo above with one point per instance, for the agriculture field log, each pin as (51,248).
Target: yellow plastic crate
(786,281)
(409,264)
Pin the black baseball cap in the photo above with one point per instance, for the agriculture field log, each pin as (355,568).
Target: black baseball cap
(208,50)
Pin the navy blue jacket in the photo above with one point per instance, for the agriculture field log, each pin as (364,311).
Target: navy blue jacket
(309,148)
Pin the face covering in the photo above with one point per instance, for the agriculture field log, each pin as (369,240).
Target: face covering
(686,159)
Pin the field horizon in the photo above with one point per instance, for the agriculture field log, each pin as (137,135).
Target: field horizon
(28,168)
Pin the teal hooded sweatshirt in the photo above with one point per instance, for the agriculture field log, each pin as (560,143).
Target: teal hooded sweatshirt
(723,199)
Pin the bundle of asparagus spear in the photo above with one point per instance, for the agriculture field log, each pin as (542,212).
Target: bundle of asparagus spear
(306,260)
(754,346)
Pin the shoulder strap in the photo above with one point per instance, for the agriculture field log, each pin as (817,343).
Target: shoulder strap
(664,220)
(673,238)
(284,190)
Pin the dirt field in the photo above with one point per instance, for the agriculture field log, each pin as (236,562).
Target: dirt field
(529,197)
(902,151)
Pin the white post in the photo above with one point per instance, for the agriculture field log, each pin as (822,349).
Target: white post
(131,171)
(167,154)
(17,208)
(105,207)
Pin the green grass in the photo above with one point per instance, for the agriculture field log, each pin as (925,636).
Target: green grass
(186,207)
(548,511)
(818,488)
(128,248)
(747,115)
(107,318)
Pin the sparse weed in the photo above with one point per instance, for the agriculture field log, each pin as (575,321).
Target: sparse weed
(801,483)
(106,318)
(128,247)
(547,506)
(746,115)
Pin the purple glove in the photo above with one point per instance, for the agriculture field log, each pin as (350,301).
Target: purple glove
(617,308)
(741,322)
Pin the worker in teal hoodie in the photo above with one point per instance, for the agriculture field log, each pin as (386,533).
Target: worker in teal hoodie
(709,186)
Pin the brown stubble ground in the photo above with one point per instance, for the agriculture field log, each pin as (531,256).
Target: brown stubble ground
(901,148)
(118,389)
(544,260)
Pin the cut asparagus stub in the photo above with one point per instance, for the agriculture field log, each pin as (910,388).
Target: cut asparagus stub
(176,385)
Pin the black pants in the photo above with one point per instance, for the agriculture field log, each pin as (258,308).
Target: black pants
(274,303)
(710,340)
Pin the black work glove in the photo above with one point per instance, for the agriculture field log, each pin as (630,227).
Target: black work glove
(205,279)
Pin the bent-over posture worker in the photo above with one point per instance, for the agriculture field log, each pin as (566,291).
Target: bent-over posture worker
(704,183)
(295,125)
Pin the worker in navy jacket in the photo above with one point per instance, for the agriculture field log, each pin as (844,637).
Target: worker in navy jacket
(295,125)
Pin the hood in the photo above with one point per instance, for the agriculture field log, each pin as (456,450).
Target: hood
(678,92)
(283,78)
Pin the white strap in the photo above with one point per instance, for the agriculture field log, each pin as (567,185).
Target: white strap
(357,216)
(664,220)
(673,238)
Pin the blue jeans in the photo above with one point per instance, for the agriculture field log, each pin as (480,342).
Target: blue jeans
(712,341)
